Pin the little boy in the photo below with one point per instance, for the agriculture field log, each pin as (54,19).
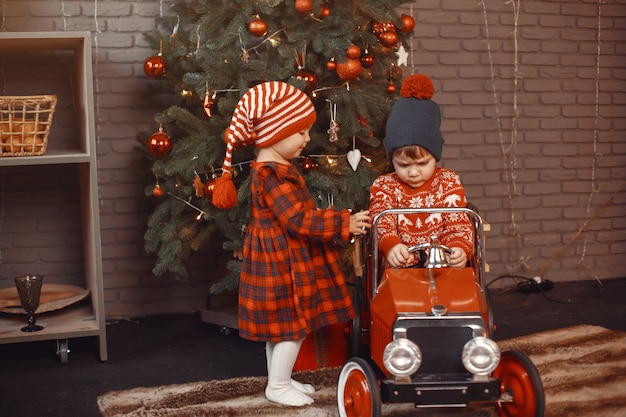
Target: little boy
(413,143)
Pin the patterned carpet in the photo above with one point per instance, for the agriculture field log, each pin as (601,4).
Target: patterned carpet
(582,368)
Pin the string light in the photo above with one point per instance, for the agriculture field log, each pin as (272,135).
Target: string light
(595,132)
(508,153)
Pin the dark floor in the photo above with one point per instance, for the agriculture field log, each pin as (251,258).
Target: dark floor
(177,349)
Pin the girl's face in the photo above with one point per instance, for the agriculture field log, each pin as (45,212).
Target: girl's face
(414,171)
(292,146)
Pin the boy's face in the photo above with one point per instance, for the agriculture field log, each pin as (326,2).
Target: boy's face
(414,171)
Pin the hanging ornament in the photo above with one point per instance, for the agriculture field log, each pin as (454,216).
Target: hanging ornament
(159,144)
(353,52)
(155,67)
(389,38)
(257,27)
(324,10)
(331,65)
(304,6)
(308,164)
(198,185)
(334,125)
(380,27)
(367,60)
(208,103)
(391,88)
(349,70)
(408,23)
(403,56)
(157,191)
(354,156)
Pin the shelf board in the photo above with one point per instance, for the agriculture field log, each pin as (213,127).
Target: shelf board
(74,321)
(49,158)
(41,41)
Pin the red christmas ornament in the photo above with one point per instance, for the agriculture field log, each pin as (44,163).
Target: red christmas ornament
(353,52)
(257,27)
(324,10)
(160,144)
(304,6)
(367,60)
(388,38)
(331,65)
(350,69)
(380,27)
(391,88)
(408,23)
(309,77)
(155,67)
(157,191)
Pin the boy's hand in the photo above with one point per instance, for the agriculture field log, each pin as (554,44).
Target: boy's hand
(360,222)
(399,256)
(457,258)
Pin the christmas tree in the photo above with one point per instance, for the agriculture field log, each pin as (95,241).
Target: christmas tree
(342,53)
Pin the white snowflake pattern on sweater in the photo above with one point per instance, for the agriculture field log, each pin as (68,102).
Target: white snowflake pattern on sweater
(444,189)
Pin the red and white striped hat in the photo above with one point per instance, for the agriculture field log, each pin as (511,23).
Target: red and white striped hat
(266,114)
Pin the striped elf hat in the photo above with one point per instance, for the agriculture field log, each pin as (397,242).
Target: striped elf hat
(266,114)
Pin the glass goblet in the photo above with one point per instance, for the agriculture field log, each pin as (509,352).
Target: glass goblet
(29,290)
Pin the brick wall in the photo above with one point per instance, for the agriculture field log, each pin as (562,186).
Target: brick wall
(533,104)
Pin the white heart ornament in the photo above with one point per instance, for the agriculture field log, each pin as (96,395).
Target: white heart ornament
(354,157)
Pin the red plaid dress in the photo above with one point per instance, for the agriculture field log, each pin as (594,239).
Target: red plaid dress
(291,281)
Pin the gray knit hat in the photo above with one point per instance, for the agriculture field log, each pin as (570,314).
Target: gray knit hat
(415,119)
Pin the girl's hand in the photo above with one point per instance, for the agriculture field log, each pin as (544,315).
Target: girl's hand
(457,258)
(399,256)
(360,222)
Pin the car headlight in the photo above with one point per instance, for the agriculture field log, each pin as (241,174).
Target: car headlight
(481,356)
(402,357)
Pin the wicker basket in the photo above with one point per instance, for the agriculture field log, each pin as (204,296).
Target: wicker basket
(25,124)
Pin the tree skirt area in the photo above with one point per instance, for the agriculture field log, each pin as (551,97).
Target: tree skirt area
(582,368)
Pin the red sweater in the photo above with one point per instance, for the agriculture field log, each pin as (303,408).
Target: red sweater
(444,189)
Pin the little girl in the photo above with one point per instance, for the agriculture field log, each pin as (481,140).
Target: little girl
(291,280)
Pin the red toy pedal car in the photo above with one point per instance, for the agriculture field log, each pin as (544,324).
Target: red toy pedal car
(423,337)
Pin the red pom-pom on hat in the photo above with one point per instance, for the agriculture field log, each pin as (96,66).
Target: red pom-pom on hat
(418,86)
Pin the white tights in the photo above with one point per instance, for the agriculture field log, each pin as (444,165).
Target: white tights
(281,389)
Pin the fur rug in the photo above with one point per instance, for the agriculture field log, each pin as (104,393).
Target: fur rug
(583,370)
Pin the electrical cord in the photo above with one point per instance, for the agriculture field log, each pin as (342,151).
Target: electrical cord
(528,285)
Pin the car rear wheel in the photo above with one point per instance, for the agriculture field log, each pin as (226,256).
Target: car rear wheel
(358,394)
(519,378)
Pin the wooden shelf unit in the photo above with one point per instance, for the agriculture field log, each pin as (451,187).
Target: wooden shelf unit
(77,149)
